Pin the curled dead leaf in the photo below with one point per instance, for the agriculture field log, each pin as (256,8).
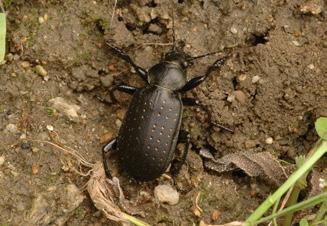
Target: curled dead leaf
(263,165)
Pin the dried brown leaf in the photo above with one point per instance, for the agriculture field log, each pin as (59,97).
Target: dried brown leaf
(263,165)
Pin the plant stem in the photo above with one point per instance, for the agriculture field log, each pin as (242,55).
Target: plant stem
(274,211)
(299,185)
(135,221)
(299,206)
(321,213)
(321,149)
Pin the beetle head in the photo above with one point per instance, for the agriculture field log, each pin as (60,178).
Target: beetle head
(178,57)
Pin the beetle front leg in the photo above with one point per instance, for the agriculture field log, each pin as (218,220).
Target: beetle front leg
(184,137)
(105,152)
(123,88)
(194,82)
(121,53)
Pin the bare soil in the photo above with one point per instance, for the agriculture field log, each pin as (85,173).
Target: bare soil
(269,92)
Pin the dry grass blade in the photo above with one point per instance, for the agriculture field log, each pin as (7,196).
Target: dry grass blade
(234,223)
(101,189)
(101,194)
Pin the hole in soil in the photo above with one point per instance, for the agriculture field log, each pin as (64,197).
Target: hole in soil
(181,1)
(130,26)
(234,82)
(152,4)
(123,3)
(120,18)
(100,25)
(260,38)
(160,27)
(102,72)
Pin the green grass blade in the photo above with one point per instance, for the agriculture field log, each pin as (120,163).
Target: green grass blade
(135,221)
(321,127)
(297,207)
(321,149)
(274,220)
(2,36)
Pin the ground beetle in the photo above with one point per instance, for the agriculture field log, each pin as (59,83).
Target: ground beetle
(150,131)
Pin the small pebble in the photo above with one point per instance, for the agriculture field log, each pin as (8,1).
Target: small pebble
(240,96)
(215,215)
(313,7)
(255,79)
(154,28)
(25,64)
(242,77)
(269,140)
(296,43)
(22,136)
(41,20)
(50,128)
(35,168)
(41,71)
(118,122)
(196,212)
(35,149)
(2,160)
(11,128)
(231,98)
(166,194)
(311,66)
(66,108)
(233,30)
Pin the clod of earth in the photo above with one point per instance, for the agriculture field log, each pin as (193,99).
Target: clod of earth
(66,108)
(166,194)
(45,212)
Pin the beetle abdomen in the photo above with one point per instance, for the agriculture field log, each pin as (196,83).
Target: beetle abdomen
(148,136)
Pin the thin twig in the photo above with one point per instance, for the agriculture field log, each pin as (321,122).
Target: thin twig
(71,151)
(156,44)
(113,13)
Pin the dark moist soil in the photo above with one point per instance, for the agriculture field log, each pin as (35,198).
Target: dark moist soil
(273,86)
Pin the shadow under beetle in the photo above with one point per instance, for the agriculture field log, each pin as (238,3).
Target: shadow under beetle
(150,130)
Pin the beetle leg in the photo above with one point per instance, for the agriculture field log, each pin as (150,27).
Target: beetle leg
(193,102)
(105,151)
(184,137)
(123,88)
(187,101)
(194,82)
(120,53)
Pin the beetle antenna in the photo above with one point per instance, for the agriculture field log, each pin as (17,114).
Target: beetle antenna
(174,38)
(201,56)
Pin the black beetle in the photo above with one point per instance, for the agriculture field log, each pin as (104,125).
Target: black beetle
(150,130)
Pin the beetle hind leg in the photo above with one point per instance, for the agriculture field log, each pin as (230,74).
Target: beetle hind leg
(105,155)
(184,137)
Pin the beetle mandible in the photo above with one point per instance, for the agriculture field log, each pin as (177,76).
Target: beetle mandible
(150,130)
